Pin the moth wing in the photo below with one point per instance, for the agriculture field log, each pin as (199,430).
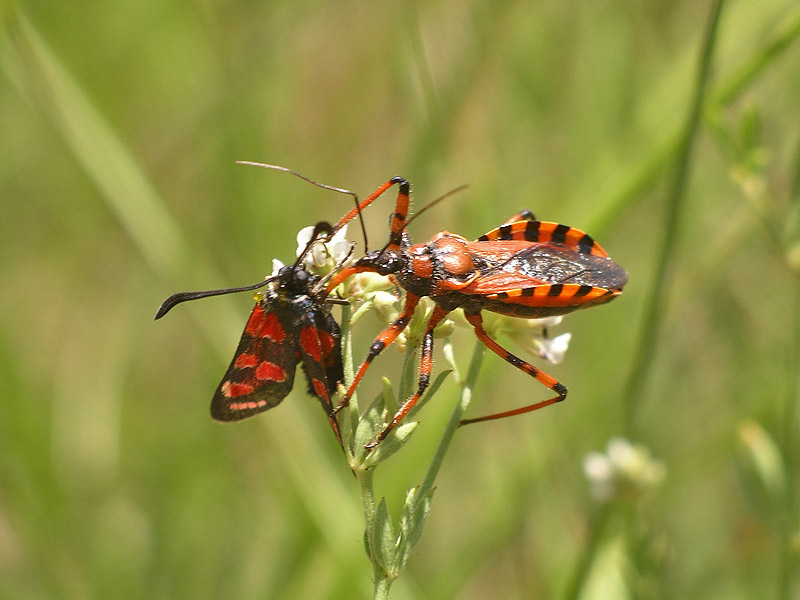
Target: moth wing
(321,350)
(261,373)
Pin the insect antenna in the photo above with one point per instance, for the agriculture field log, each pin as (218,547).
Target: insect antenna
(319,228)
(170,302)
(316,183)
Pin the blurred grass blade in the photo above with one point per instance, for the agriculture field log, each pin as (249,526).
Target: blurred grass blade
(607,210)
(653,312)
(43,80)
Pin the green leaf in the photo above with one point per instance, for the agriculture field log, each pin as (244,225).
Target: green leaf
(368,423)
(384,540)
(762,470)
(750,127)
(412,522)
(396,440)
(389,401)
(434,387)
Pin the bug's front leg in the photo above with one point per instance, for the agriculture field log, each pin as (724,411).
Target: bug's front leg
(386,337)
(425,367)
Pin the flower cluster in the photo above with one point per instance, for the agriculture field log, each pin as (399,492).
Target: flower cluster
(323,257)
(625,471)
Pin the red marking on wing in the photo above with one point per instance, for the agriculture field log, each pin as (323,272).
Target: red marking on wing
(316,343)
(245,360)
(264,324)
(247,405)
(233,390)
(270,371)
(320,389)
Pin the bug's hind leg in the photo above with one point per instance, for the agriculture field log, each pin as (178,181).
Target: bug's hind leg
(541,376)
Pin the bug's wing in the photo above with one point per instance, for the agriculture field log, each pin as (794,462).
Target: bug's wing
(515,289)
(546,231)
(501,281)
(321,351)
(261,373)
(504,264)
(542,279)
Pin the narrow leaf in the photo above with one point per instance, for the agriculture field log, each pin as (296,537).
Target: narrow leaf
(384,539)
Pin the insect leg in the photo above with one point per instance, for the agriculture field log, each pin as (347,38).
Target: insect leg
(386,337)
(541,376)
(425,366)
(400,212)
(523,215)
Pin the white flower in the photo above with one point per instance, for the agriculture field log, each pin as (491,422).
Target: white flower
(531,334)
(323,255)
(624,471)
(552,349)
(276,266)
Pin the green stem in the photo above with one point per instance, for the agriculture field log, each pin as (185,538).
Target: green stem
(596,532)
(382,588)
(788,561)
(460,406)
(608,209)
(366,481)
(654,307)
(788,552)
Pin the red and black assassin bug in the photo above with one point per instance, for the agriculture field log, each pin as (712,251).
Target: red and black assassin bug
(524,268)
(290,323)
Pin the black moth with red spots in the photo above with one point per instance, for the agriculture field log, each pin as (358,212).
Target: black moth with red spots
(288,325)
(291,323)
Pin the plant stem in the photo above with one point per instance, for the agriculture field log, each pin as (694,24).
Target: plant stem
(654,307)
(596,532)
(460,406)
(381,581)
(382,586)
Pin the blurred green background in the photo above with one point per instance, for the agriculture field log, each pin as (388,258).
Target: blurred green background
(121,122)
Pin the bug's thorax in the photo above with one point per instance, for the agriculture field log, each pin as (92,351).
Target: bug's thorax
(446,258)
(451,256)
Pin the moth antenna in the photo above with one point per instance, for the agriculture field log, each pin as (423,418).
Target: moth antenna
(319,228)
(174,299)
(316,183)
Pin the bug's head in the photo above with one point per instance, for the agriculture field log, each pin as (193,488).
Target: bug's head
(294,279)
(383,262)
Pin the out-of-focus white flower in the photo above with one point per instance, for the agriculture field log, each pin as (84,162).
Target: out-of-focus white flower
(323,256)
(551,349)
(624,471)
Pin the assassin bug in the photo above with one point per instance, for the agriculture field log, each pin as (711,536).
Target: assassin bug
(524,268)
(291,323)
